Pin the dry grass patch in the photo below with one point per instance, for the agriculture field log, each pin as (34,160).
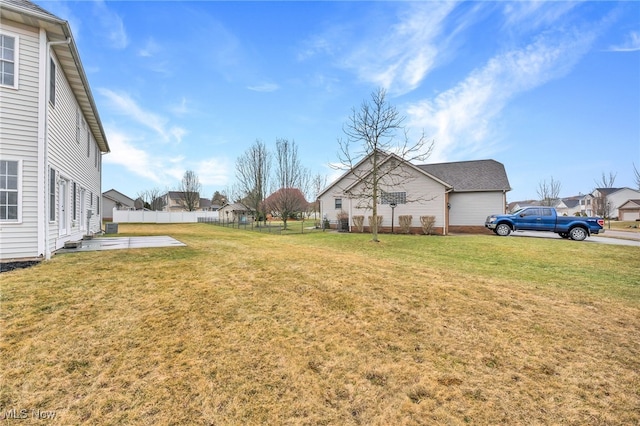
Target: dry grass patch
(245,328)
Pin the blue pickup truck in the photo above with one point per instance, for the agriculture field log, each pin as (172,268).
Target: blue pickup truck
(545,219)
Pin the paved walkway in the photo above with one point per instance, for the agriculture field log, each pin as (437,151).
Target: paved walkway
(116,243)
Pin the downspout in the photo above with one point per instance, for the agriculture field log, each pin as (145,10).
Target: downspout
(446,208)
(44,117)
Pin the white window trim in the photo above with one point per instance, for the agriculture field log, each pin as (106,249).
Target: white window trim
(20,191)
(16,60)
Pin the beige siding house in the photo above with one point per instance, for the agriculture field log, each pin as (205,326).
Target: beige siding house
(458,195)
(630,210)
(52,137)
(607,201)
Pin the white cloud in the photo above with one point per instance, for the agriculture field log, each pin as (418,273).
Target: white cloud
(150,49)
(125,154)
(111,26)
(180,108)
(402,56)
(462,119)
(529,15)
(264,87)
(631,44)
(124,105)
(213,171)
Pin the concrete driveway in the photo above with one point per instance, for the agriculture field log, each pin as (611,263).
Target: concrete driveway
(621,238)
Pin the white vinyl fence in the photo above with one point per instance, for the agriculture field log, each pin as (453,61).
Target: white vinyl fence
(148,216)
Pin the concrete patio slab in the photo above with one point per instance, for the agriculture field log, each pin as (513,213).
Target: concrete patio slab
(119,243)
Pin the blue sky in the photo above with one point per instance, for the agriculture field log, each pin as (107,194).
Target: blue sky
(550,89)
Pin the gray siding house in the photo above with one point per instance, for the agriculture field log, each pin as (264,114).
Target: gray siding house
(51,136)
(113,199)
(459,195)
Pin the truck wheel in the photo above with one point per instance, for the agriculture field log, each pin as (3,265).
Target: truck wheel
(503,230)
(578,234)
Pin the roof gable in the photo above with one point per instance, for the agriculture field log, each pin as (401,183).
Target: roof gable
(391,157)
(630,204)
(118,196)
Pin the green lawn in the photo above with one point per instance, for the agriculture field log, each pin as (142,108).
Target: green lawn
(240,327)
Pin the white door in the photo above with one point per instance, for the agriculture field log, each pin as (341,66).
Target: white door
(62,207)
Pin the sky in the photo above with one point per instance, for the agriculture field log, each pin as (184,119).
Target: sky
(549,89)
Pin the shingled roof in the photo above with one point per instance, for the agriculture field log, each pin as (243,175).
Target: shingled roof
(466,176)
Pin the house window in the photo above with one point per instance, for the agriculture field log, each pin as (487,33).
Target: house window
(9,191)
(52,84)
(393,197)
(52,195)
(338,203)
(8,58)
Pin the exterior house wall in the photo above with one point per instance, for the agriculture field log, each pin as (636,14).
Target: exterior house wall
(19,117)
(41,137)
(425,197)
(459,195)
(107,208)
(469,210)
(76,159)
(113,199)
(234,213)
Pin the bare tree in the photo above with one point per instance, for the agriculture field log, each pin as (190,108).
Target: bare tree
(602,205)
(549,192)
(151,199)
(190,188)
(606,181)
(252,174)
(371,134)
(290,177)
(318,183)
(636,175)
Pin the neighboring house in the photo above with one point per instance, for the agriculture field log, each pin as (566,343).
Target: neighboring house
(236,212)
(51,133)
(607,201)
(205,204)
(517,205)
(174,201)
(113,199)
(459,195)
(576,205)
(630,210)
